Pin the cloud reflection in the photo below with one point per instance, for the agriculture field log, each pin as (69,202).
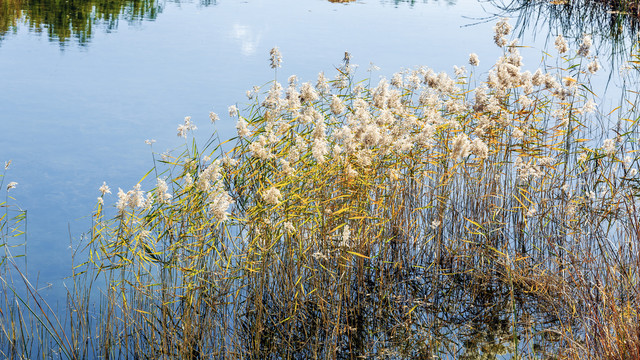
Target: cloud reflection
(249,40)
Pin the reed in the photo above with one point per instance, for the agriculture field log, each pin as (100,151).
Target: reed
(422,216)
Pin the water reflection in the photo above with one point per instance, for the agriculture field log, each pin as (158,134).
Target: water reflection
(413,2)
(476,313)
(615,23)
(247,37)
(66,20)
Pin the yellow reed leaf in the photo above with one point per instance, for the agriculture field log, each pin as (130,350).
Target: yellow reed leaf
(474,223)
(358,254)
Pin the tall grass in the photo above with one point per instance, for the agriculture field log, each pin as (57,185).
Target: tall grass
(422,216)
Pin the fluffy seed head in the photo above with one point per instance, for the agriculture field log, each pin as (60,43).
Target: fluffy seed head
(593,66)
(104,189)
(561,44)
(473,59)
(272,196)
(585,47)
(275,57)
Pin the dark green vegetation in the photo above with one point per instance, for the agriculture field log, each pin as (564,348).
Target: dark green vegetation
(63,20)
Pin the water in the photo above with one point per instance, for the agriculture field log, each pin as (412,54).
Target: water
(77,106)
(75,113)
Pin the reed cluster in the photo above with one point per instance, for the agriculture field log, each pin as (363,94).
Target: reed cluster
(423,216)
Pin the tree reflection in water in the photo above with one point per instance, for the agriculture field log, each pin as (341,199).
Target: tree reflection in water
(65,20)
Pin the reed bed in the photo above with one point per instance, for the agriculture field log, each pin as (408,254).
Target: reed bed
(425,216)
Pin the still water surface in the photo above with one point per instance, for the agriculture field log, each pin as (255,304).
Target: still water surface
(83,86)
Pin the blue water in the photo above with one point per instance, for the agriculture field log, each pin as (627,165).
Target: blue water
(73,116)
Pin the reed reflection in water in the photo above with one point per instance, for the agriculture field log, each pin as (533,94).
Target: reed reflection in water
(616,23)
